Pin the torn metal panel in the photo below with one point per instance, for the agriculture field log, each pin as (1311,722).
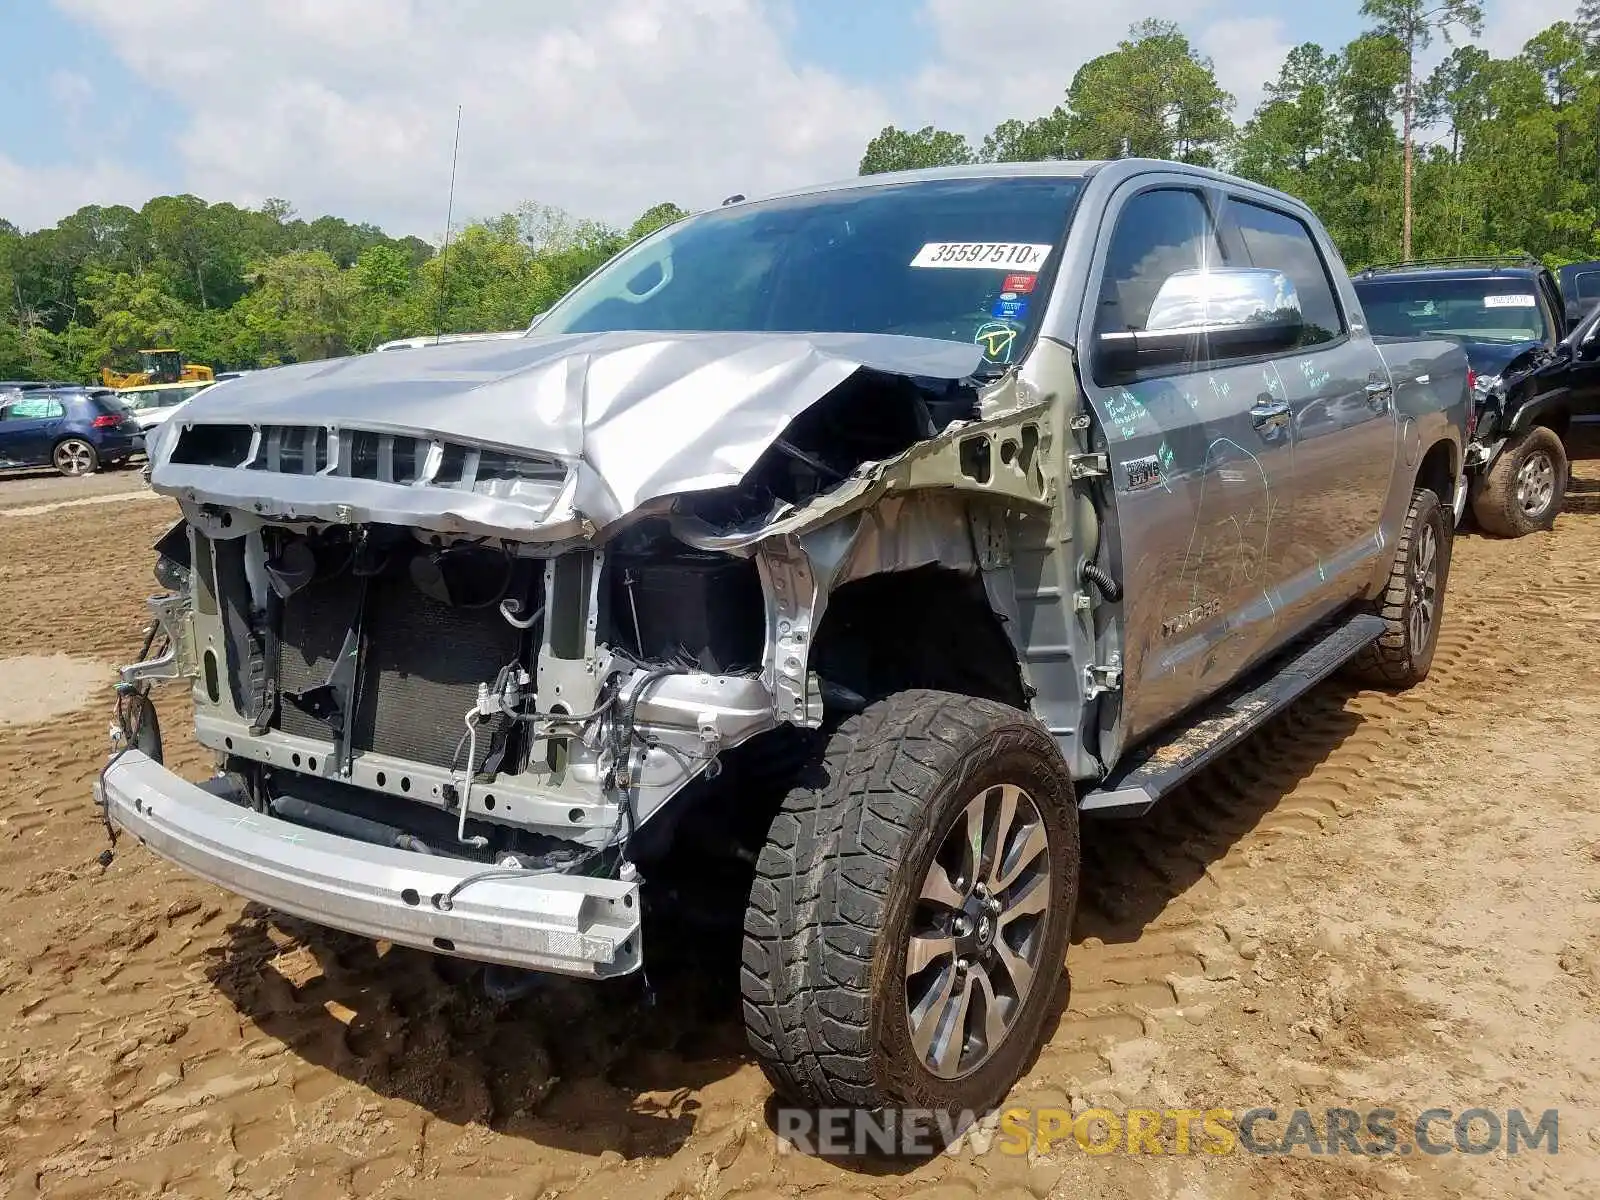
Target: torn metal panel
(632,417)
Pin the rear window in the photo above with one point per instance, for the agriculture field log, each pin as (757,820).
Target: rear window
(1487,310)
(108,402)
(1587,285)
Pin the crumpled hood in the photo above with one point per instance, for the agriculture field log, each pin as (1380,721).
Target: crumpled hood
(1496,358)
(639,415)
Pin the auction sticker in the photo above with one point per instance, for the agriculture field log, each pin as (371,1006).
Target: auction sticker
(992,256)
(1509,302)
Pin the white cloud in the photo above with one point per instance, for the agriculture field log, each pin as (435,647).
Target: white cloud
(1248,52)
(1015,60)
(601,106)
(34,197)
(348,106)
(1508,24)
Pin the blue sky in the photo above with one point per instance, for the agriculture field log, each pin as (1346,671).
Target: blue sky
(344,105)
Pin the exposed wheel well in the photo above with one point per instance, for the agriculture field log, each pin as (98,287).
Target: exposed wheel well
(1437,472)
(927,628)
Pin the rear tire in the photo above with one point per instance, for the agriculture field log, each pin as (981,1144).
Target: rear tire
(1525,487)
(73,457)
(1412,604)
(867,868)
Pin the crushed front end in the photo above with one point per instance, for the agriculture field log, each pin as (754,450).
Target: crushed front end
(458,686)
(443,740)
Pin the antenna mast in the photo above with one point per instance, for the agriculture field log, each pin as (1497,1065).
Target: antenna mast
(449,218)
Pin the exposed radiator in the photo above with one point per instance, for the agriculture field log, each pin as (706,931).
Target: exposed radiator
(421,664)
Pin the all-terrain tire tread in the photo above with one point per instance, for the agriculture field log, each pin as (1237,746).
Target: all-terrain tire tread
(1388,661)
(805,976)
(1495,506)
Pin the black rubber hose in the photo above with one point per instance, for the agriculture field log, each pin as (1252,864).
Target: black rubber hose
(1109,587)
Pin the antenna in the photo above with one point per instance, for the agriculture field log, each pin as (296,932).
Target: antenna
(449,218)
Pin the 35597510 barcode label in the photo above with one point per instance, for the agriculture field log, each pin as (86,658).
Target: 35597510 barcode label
(994,256)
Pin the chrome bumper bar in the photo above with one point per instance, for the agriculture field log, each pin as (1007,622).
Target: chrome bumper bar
(571,925)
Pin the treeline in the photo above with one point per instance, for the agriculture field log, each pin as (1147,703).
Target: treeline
(238,288)
(1506,150)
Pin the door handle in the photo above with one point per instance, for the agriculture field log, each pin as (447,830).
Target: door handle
(1379,393)
(1270,417)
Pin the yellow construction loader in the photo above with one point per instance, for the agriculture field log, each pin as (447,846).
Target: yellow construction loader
(157,366)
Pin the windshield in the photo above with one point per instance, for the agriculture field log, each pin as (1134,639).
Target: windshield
(956,259)
(1485,310)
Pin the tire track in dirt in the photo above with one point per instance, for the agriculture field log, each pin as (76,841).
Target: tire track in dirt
(1325,758)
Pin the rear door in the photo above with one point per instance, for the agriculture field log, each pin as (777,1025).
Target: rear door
(1345,430)
(1201,460)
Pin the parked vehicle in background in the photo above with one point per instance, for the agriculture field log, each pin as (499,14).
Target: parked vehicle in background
(77,430)
(866,534)
(445,339)
(1580,289)
(1509,316)
(153,403)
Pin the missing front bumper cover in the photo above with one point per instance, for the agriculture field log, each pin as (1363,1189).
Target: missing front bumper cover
(572,925)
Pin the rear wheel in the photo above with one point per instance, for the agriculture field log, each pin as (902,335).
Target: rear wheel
(1523,491)
(1412,605)
(74,456)
(908,924)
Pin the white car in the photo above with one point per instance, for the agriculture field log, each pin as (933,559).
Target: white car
(153,403)
(417,343)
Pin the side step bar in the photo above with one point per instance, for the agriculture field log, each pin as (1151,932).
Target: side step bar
(1158,767)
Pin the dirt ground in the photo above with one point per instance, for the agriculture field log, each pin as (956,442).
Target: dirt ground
(1380,902)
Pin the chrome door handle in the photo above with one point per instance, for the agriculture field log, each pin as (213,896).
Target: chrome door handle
(1270,417)
(1379,393)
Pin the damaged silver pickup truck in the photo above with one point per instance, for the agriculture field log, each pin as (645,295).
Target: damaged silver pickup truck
(861,538)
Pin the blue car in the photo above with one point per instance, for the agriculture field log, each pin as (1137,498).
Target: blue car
(77,430)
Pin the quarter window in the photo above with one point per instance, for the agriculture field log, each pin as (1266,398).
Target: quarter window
(1277,241)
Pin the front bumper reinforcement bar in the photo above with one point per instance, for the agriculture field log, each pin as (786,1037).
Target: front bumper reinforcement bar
(570,925)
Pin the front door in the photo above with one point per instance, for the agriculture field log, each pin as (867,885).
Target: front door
(28,426)
(1202,462)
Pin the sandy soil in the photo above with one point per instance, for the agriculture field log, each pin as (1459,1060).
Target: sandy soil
(1382,901)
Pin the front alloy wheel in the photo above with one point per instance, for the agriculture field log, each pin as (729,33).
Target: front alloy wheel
(977,932)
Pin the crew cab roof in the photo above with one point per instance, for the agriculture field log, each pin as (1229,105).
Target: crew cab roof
(1116,169)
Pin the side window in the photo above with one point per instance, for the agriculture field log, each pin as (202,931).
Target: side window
(35,409)
(1283,243)
(1158,234)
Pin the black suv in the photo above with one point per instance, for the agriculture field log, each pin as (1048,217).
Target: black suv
(1533,367)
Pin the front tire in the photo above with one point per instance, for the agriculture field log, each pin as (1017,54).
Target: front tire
(908,923)
(1412,604)
(74,456)
(1525,487)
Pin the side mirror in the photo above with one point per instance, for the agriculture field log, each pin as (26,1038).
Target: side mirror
(1231,312)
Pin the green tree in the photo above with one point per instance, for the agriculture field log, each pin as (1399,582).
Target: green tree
(900,150)
(653,218)
(299,309)
(1293,130)
(1039,140)
(1413,23)
(1154,96)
